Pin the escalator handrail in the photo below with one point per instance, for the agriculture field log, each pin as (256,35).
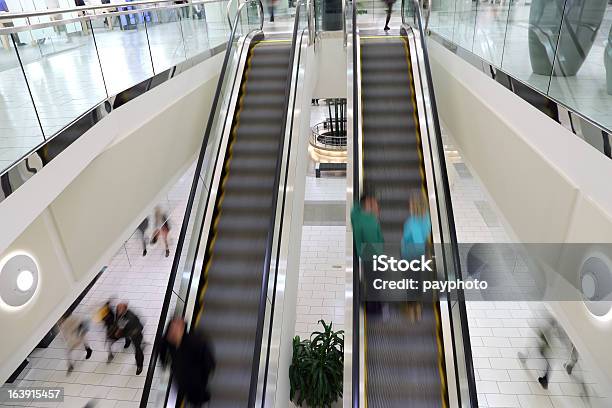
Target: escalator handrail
(190,201)
(450,218)
(228,13)
(270,238)
(356,197)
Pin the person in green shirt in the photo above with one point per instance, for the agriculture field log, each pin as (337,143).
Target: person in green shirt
(367,234)
(368,241)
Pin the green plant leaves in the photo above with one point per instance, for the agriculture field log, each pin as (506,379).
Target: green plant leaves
(316,371)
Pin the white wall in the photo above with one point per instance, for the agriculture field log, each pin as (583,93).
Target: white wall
(295,213)
(330,66)
(77,211)
(548,183)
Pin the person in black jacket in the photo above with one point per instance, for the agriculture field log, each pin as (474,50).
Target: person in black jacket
(192,361)
(130,327)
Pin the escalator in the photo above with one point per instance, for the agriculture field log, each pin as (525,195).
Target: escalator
(226,268)
(403,359)
(244,210)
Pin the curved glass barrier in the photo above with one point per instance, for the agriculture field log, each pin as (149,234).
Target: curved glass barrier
(562,48)
(54,67)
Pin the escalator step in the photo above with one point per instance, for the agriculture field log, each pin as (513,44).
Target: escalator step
(235,271)
(402,356)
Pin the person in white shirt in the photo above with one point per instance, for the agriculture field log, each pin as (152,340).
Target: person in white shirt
(74,332)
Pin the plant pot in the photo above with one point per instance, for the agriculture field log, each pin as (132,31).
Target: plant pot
(570,41)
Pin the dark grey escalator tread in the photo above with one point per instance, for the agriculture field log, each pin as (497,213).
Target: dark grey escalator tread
(235,270)
(402,356)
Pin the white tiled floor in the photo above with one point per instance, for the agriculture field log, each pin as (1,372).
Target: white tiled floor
(321,284)
(499,330)
(141,281)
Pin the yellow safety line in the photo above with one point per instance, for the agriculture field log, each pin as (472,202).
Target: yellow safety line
(381,37)
(218,207)
(441,370)
(365,356)
(271,41)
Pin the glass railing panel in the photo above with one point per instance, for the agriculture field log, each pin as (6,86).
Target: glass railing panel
(370,13)
(465,22)
(62,68)
(194,27)
(165,37)
(442,17)
(490,32)
(582,77)
(19,128)
(190,244)
(123,50)
(216,20)
(531,40)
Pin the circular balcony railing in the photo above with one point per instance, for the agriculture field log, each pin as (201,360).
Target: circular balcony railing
(324,138)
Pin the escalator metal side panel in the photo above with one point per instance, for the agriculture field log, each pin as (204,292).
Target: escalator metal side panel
(404,361)
(280,257)
(352,346)
(447,361)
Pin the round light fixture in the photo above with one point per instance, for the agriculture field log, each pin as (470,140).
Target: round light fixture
(18,279)
(596,284)
(25,280)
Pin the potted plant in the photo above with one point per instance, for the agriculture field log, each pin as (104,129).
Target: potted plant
(317,368)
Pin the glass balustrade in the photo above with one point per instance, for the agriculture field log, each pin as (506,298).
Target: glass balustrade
(56,67)
(562,48)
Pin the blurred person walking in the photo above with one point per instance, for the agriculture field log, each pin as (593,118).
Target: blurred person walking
(415,236)
(389,4)
(191,359)
(425,13)
(271,7)
(108,317)
(368,240)
(130,327)
(142,228)
(545,335)
(74,331)
(162,228)
(4,9)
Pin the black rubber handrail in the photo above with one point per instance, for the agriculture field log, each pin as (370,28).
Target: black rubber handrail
(356,197)
(450,218)
(185,224)
(270,238)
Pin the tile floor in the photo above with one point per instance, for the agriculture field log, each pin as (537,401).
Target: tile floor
(321,282)
(129,276)
(499,330)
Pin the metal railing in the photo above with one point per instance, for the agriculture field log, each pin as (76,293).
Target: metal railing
(323,138)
